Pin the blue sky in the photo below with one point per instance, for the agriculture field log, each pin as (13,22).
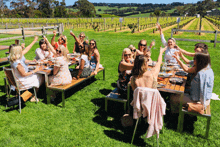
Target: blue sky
(71,2)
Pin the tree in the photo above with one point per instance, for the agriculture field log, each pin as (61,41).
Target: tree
(60,11)
(157,13)
(45,6)
(86,8)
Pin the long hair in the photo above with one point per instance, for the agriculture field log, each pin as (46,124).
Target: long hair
(15,53)
(95,43)
(12,45)
(85,50)
(203,46)
(42,41)
(140,43)
(125,49)
(63,50)
(139,66)
(202,61)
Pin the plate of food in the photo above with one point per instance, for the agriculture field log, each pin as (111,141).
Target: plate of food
(176,80)
(164,75)
(32,63)
(181,73)
(31,67)
(159,85)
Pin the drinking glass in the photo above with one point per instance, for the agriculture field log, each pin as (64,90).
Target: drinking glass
(153,40)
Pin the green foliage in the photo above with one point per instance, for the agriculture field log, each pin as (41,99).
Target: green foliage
(132,27)
(86,8)
(157,12)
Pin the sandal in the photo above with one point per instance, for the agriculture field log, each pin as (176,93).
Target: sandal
(33,99)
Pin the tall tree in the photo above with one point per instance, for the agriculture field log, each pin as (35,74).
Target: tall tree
(86,8)
(46,7)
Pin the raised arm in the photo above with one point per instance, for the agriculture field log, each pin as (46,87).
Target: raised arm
(185,67)
(163,40)
(156,69)
(184,58)
(74,36)
(50,46)
(29,46)
(53,38)
(126,66)
(187,53)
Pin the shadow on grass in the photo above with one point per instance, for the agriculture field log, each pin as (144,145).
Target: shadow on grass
(112,119)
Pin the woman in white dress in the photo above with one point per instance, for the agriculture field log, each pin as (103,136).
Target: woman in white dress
(24,78)
(43,53)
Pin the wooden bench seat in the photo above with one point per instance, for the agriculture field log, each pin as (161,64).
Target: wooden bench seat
(63,88)
(207,114)
(114,96)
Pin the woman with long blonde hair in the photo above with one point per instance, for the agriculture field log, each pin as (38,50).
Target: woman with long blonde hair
(24,78)
(124,70)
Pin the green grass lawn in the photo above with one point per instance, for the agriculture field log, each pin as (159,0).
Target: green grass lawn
(83,121)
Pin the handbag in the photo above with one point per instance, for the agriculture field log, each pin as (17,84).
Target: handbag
(195,107)
(86,72)
(126,120)
(26,95)
(12,101)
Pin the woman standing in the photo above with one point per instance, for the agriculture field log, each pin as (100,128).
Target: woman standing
(95,57)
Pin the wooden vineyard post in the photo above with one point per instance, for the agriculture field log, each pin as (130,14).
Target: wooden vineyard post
(104,24)
(43,30)
(216,34)
(172,33)
(138,24)
(22,32)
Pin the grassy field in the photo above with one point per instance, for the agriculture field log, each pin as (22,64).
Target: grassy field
(83,122)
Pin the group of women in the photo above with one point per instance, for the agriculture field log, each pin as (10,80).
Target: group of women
(89,61)
(134,68)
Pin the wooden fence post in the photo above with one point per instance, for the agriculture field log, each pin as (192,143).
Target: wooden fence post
(216,34)
(104,24)
(22,32)
(172,33)
(6,26)
(43,30)
(138,24)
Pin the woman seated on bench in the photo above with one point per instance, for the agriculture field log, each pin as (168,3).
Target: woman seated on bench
(172,47)
(79,41)
(61,74)
(142,45)
(202,76)
(124,71)
(142,77)
(84,63)
(95,57)
(43,53)
(62,40)
(24,78)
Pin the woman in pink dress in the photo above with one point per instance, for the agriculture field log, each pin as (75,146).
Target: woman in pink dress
(61,74)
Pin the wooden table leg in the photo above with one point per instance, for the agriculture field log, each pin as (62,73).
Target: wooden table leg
(181,115)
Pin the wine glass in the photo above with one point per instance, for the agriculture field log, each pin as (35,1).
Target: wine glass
(153,43)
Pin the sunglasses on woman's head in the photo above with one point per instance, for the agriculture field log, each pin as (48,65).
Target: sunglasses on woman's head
(134,50)
(127,55)
(142,44)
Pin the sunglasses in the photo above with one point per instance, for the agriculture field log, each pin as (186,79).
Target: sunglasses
(142,44)
(59,51)
(127,55)
(134,50)
(81,36)
(92,43)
